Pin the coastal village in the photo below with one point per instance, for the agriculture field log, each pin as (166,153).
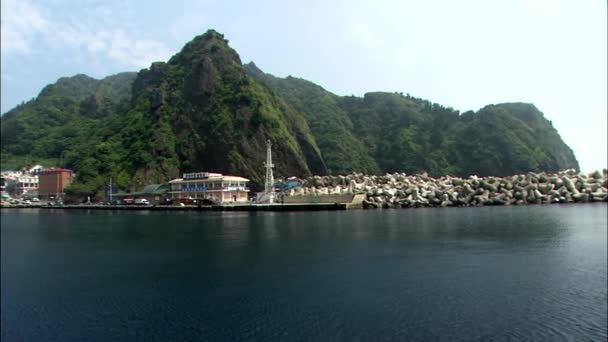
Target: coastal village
(34,184)
(39,186)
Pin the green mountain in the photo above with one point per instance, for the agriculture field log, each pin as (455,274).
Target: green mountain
(397,133)
(205,110)
(343,152)
(198,111)
(201,111)
(62,117)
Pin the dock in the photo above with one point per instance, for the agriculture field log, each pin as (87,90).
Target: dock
(225,207)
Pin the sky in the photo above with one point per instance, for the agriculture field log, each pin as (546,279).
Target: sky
(464,54)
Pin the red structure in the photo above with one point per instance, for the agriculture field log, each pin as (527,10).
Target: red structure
(51,182)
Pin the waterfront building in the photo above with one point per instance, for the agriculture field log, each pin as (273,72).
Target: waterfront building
(53,181)
(3,193)
(212,186)
(26,183)
(153,193)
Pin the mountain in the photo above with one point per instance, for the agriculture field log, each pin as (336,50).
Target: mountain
(343,152)
(204,110)
(198,111)
(391,132)
(201,111)
(57,120)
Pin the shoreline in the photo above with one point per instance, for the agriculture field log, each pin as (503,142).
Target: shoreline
(400,190)
(231,207)
(266,207)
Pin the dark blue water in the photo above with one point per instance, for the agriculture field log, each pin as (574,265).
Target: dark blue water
(535,273)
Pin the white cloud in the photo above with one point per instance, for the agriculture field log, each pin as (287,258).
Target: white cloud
(26,27)
(20,22)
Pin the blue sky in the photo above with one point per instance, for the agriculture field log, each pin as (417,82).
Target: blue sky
(464,54)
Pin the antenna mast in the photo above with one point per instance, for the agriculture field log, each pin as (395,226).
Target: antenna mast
(269,184)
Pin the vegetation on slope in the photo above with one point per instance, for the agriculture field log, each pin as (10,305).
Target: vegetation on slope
(204,110)
(332,128)
(198,111)
(400,133)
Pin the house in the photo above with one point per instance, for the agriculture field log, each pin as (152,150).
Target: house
(25,183)
(52,182)
(35,169)
(3,193)
(212,186)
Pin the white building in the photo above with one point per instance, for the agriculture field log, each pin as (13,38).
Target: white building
(3,193)
(10,174)
(24,180)
(208,185)
(25,183)
(35,169)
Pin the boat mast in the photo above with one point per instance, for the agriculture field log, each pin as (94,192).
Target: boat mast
(269,184)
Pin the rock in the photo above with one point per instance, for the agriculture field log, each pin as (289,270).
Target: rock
(556,181)
(545,188)
(457,181)
(539,196)
(599,196)
(596,175)
(498,201)
(488,186)
(398,190)
(415,193)
(569,185)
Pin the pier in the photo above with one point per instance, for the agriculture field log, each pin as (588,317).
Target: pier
(226,207)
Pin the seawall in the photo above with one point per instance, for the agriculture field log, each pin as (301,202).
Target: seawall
(228,207)
(400,190)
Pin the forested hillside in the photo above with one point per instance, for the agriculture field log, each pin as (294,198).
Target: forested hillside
(392,132)
(205,110)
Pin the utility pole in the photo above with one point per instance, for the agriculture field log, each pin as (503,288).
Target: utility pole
(110,190)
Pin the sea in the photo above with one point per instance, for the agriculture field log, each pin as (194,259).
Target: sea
(511,273)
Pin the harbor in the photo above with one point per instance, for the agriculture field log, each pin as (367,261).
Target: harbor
(225,207)
(213,191)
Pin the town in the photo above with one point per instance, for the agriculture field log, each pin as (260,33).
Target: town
(40,186)
(46,186)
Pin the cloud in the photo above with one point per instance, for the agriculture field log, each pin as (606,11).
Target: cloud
(128,51)
(20,23)
(26,28)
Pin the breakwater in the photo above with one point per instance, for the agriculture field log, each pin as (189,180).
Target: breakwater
(400,190)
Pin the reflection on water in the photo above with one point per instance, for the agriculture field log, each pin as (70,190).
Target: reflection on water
(532,273)
(515,224)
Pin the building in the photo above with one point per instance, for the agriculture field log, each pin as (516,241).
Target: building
(35,169)
(154,193)
(212,186)
(26,183)
(3,193)
(12,175)
(52,182)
